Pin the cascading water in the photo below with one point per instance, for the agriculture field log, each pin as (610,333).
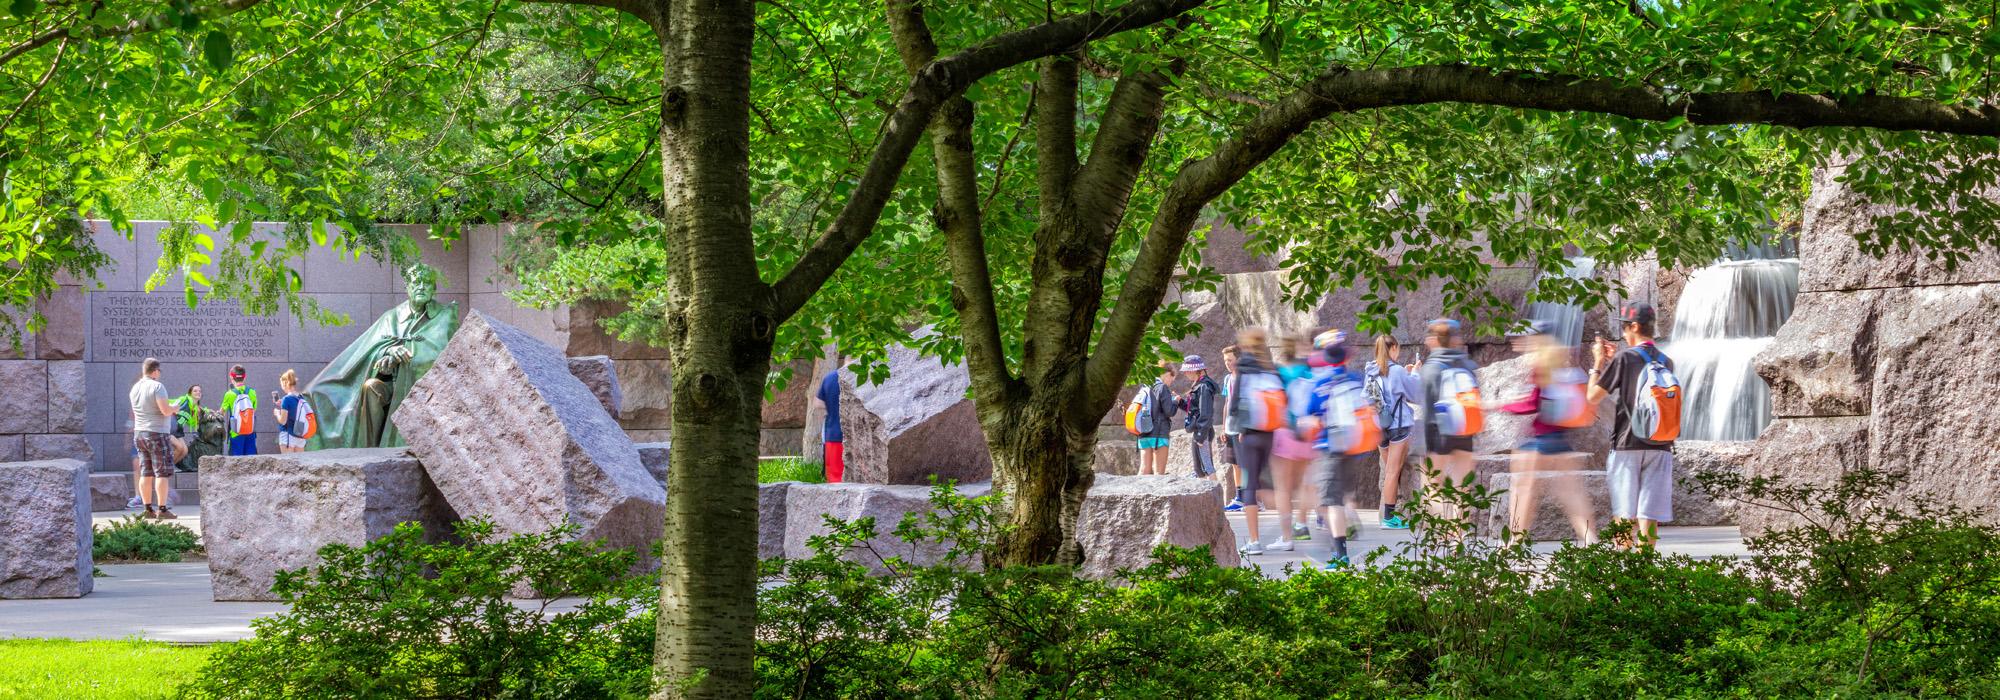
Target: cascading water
(1567,318)
(1729,312)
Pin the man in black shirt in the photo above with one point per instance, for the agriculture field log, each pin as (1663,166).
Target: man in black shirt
(1640,471)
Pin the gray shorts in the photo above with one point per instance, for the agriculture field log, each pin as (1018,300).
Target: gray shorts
(1334,476)
(1641,484)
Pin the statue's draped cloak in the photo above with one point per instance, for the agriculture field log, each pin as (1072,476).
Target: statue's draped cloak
(335,393)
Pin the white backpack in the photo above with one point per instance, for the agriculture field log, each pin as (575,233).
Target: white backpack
(1458,412)
(1564,403)
(1656,406)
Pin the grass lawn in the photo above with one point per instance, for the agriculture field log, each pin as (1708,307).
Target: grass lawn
(57,668)
(776,469)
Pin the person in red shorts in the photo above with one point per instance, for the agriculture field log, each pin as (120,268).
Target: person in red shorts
(829,394)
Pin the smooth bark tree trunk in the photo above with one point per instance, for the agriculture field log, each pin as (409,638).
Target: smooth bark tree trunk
(720,327)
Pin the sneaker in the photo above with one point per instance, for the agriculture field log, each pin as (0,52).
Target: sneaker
(1233,507)
(1252,549)
(1301,532)
(134,504)
(1335,562)
(148,515)
(167,515)
(1282,545)
(1394,522)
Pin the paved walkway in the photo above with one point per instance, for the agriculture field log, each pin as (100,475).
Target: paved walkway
(1699,542)
(171,602)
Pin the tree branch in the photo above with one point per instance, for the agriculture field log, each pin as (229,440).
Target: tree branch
(36,90)
(1055,133)
(1339,90)
(647,12)
(936,82)
(957,213)
(1131,120)
(136,25)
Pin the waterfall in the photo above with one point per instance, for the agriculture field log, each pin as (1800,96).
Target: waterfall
(1729,312)
(1567,318)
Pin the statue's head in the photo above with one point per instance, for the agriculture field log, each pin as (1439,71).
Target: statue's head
(422,281)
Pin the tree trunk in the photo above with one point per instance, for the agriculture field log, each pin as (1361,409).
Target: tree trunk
(1042,462)
(720,325)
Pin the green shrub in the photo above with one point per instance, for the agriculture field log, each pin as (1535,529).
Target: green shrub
(402,618)
(1865,600)
(133,539)
(775,469)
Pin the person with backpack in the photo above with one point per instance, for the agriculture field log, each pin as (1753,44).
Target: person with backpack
(1345,430)
(1229,475)
(1645,422)
(1453,414)
(1256,408)
(1556,398)
(296,421)
(1393,390)
(1290,452)
(239,404)
(1150,417)
(1199,404)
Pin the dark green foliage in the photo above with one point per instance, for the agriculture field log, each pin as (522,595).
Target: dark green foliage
(1868,601)
(136,540)
(1865,600)
(402,618)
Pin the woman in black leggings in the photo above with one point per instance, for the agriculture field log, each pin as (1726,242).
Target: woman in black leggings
(1253,447)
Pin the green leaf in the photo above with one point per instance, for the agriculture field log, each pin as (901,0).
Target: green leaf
(319,233)
(23,8)
(189,289)
(216,49)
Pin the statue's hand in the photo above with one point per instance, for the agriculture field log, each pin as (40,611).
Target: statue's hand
(387,363)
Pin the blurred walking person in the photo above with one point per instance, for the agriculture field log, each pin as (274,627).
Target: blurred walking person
(1556,398)
(1453,411)
(1256,410)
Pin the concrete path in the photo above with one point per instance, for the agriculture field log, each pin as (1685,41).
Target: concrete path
(170,602)
(1699,542)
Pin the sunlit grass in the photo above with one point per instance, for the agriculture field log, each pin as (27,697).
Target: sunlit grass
(58,668)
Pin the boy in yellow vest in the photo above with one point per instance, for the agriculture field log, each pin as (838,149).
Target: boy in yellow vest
(240,405)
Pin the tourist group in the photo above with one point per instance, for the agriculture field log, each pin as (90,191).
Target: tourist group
(165,431)
(1310,404)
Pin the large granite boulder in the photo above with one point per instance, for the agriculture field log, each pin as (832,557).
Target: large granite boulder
(1831,258)
(646,389)
(110,491)
(507,433)
(600,376)
(806,506)
(273,512)
(1694,504)
(45,511)
(1803,451)
(1931,414)
(1823,361)
(1115,457)
(916,424)
(1260,299)
(1124,517)
(653,455)
(772,522)
(1887,363)
(1551,518)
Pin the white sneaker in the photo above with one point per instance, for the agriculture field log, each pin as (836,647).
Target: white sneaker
(134,503)
(1282,545)
(1254,547)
